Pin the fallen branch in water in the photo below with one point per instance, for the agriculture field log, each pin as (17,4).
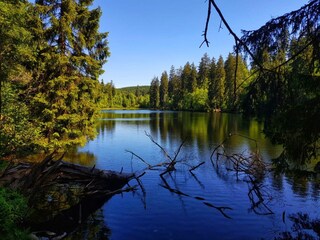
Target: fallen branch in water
(55,189)
(195,167)
(203,200)
(169,165)
(251,165)
(170,162)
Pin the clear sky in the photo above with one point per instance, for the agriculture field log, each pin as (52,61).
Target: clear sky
(146,37)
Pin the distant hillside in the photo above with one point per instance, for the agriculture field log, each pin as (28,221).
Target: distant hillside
(141,89)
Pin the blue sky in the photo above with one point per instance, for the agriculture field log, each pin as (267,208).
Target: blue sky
(146,37)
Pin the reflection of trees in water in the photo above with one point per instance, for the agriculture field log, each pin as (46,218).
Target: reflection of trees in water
(302,227)
(206,129)
(82,158)
(302,183)
(93,228)
(203,130)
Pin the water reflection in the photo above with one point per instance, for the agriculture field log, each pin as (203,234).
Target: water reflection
(94,228)
(202,130)
(82,158)
(161,214)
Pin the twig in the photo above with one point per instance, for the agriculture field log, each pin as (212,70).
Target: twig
(179,149)
(137,156)
(195,167)
(162,149)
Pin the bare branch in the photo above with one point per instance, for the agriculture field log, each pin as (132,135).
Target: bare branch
(195,167)
(137,156)
(236,38)
(162,149)
(207,26)
(179,149)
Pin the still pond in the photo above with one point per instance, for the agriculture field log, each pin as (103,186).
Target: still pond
(183,204)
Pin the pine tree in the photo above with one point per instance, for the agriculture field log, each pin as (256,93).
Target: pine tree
(185,77)
(232,82)
(71,55)
(192,83)
(203,73)
(154,93)
(217,97)
(212,92)
(163,89)
(174,88)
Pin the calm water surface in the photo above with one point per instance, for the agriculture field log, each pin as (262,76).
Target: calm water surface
(163,214)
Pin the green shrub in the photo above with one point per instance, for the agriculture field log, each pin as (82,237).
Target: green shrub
(13,209)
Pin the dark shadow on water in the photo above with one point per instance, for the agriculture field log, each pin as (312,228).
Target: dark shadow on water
(82,221)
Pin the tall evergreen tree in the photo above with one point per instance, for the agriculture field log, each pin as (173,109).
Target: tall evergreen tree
(234,66)
(177,93)
(212,92)
(70,61)
(172,74)
(185,77)
(203,74)
(217,97)
(154,93)
(192,83)
(164,89)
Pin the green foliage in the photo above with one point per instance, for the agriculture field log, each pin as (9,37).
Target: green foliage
(216,91)
(128,97)
(286,84)
(51,55)
(164,81)
(154,93)
(203,90)
(17,130)
(204,69)
(232,82)
(13,209)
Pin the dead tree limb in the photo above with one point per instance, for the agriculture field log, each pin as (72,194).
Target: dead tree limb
(195,167)
(137,156)
(205,40)
(162,149)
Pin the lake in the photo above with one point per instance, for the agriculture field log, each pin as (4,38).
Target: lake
(211,202)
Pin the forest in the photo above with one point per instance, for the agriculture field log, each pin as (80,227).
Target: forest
(52,55)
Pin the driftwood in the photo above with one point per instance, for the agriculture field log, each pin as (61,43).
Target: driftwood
(168,166)
(61,192)
(251,166)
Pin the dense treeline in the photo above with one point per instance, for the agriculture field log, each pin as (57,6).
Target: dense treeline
(210,86)
(51,55)
(128,97)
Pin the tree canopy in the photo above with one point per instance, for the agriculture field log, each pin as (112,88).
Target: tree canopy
(51,55)
(284,84)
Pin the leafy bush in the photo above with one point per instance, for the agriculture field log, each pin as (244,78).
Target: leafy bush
(13,208)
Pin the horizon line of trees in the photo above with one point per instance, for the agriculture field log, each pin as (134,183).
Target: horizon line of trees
(210,86)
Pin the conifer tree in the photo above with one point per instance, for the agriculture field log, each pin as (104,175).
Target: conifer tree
(185,77)
(216,90)
(203,73)
(154,93)
(172,73)
(164,89)
(212,92)
(71,55)
(177,90)
(192,84)
(232,67)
